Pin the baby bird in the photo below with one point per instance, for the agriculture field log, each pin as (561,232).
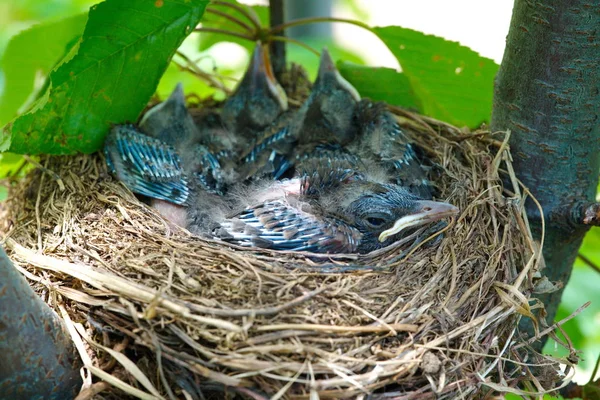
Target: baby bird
(327,114)
(334,116)
(326,117)
(171,123)
(246,116)
(146,165)
(256,103)
(381,140)
(164,158)
(170,157)
(337,212)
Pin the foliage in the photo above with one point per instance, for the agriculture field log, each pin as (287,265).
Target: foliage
(108,78)
(34,51)
(383,84)
(583,331)
(440,78)
(9,164)
(454,83)
(114,71)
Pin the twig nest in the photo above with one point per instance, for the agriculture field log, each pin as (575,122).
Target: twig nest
(201,316)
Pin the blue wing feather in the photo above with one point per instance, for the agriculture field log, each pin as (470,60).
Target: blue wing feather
(270,156)
(146,165)
(207,170)
(279,226)
(383,139)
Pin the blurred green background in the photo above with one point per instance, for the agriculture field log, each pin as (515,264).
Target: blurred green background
(227,61)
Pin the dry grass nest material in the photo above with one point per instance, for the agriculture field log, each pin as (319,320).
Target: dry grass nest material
(199,316)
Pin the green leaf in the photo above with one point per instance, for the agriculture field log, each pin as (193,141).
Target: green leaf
(582,287)
(380,84)
(454,83)
(213,21)
(9,163)
(591,246)
(124,50)
(32,52)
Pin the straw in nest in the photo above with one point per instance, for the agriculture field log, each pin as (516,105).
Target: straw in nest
(161,313)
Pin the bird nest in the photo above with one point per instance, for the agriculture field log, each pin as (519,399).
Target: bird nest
(197,317)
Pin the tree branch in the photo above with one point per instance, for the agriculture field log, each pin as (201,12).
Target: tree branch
(277,47)
(547,94)
(38,357)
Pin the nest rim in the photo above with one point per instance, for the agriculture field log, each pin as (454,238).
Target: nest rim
(243,341)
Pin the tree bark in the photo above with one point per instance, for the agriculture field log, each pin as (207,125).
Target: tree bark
(37,357)
(305,9)
(547,95)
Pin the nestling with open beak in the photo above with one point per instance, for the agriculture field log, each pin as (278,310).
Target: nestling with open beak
(257,101)
(339,202)
(327,114)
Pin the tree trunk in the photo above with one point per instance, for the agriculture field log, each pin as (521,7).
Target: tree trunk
(295,9)
(547,95)
(37,357)
(277,48)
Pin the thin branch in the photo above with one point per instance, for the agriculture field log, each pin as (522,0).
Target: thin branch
(589,262)
(296,42)
(194,69)
(553,326)
(277,47)
(254,17)
(573,390)
(242,10)
(25,162)
(595,371)
(312,20)
(53,174)
(231,18)
(224,32)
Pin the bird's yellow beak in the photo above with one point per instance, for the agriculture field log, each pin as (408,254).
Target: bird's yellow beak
(427,212)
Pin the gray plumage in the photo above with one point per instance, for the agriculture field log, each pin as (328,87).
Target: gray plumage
(327,115)
(256,103)
(251,113)
(339,212)
(380,140)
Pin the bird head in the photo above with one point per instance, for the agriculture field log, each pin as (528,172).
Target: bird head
(330,79)
(328,111)
(381,212)
(258,99)
(170,121)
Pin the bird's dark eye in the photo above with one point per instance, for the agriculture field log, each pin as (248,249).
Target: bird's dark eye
(375,222)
